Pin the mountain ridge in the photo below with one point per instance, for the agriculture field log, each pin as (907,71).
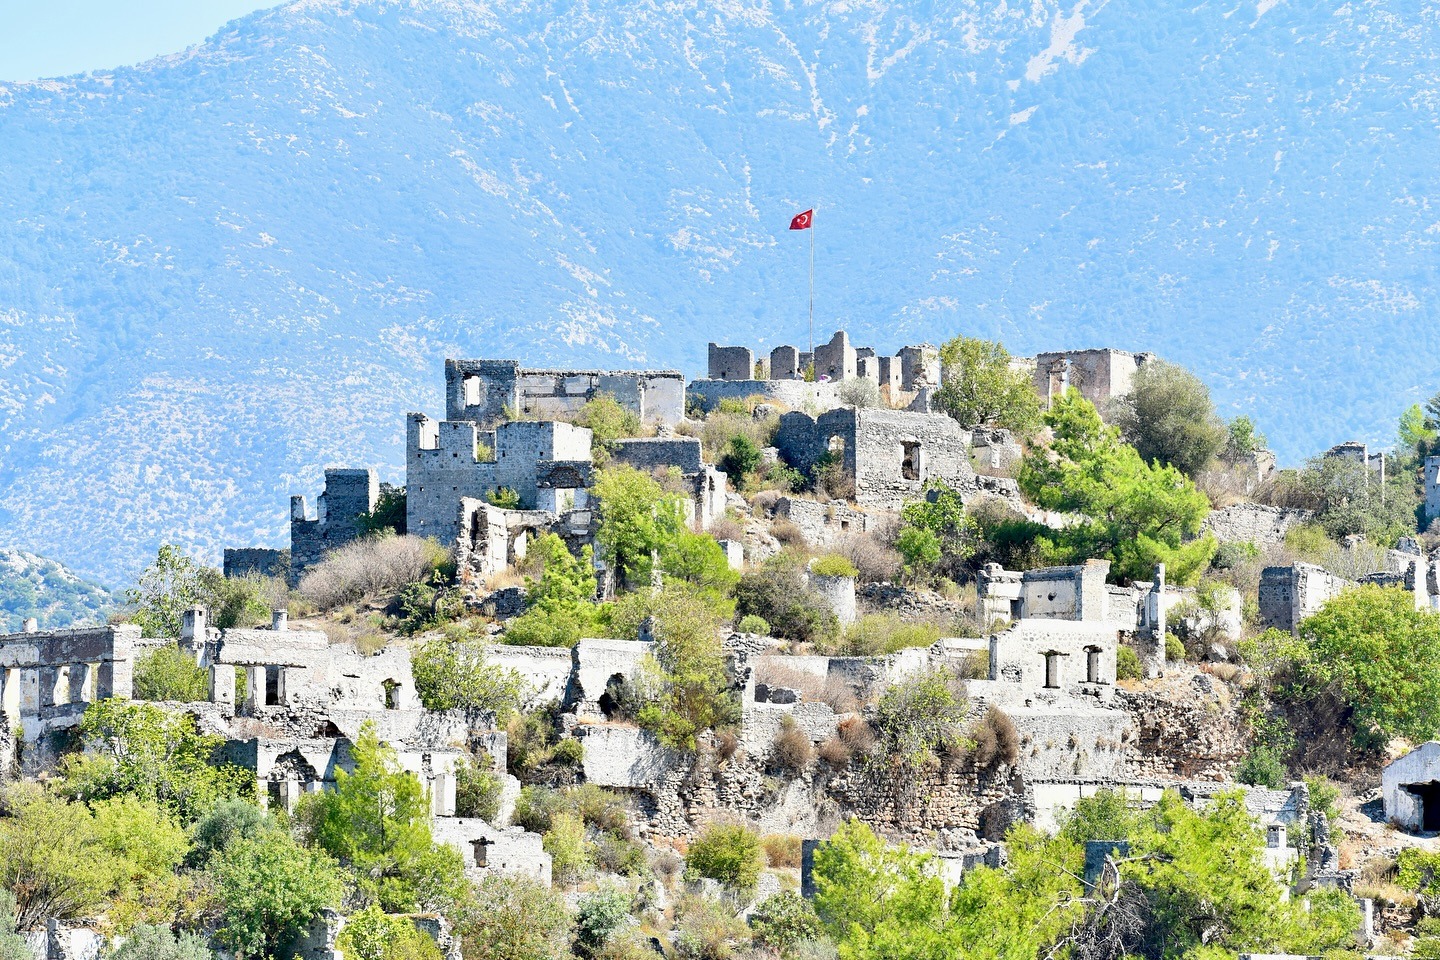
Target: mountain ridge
(224,269)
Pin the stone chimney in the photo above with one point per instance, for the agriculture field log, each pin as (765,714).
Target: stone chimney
(280,620)
(31,625)
(192,625)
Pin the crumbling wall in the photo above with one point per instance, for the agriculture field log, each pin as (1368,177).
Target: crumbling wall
(1290,594)
(705,395)
(264,561)
(490,391)
(731,363)
(1099,375)
(1255,523)
(658,453)
(545,670)
(822,525)
(348,494)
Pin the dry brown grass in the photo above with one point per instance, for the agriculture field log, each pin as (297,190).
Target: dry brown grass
(727,528)
(812,689)
(1222,671)
(727,744)
(371,567)
(787,533)
(857,734)
(791,751)
(996,740)
(875,561)
(782,850)
(835,752)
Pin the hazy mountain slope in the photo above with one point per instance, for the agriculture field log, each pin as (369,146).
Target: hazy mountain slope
(32,586)
(221,270)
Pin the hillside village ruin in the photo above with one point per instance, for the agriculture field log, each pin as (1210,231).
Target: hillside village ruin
(1045,653)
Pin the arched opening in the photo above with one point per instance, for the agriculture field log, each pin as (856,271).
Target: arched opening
(612,701)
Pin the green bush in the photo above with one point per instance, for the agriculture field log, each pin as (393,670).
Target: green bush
(503,497)
(598,916)
(152,942)
(980,388)
(1418,870)
(753,624)
(453,675)
(1174,648)
(727,853)
(373,935)
(12,945)
(170,674)
(783,920)
(741,459)
(833,565)
(1261,768)
(569,851)
(880,634)
(227,822)
(1127,663)
(570,752)
(779,594)
(477,791)
(920,717)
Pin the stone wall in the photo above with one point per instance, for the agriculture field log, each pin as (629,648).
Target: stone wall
(595,664)
(262,561)
(658,453)
(347,495)
(545,670)
(1255,523)
(705,395)
(1432,488)
(731,363)
(1290,594)
(488,391)
(1099,375)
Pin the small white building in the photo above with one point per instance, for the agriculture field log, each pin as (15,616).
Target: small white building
(1412,789)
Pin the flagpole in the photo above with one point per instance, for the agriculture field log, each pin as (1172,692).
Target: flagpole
(812,287)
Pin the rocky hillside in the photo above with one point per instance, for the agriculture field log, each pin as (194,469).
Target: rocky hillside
(32,586)
(223,269)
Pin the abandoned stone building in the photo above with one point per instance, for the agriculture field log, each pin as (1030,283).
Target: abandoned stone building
(1099,375)
(1410,785)
(489,392)
(891,454)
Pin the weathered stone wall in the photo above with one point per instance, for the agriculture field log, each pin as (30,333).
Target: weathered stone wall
(1186,726)
(595,664)
(658,453)
(1255,523)
(822,524)
(1290,594)
(264,561)
(797,394)
(835,361)
(731,363)
(347,495)
(546,670)
(1036,658)
(482,390)
(1432,488)
(1099,375)
(488,849)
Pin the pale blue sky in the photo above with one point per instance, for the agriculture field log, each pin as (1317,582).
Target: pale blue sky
(54,38)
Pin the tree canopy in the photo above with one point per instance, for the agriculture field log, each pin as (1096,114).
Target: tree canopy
(1134,513)
(1168,417)
(979,387)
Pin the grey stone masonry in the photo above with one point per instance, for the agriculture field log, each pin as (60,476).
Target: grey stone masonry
(265,561)
(731,363)
(835,361)
(348,494)
(1432,488)
(785,363)
(1099,375)
(1255,523)
(1290,594)
(489,391)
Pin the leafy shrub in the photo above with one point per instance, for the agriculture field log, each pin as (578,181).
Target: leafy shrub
(152,942)
(833,565)
(1174,648)
(741,459)
(1127,664)
(372,935)
(227,822)
(614,854)
(503,497)
(783,920)
(1231,555)
(453,675)
(1418,870)
(170,674)
(510,917)
(371,567)
(570,752)
(781,849)
(1261,768)
(1168,417)
(919,717)
(791,752)
(246,601)
(779,594)
(979,387)
(389,512)
(477,792)
(860,392)
(873,560)
(753,624)
(880,634)
(727,853)
(708,930)
(568,849)
(529,737)
(598,916)
(12,945)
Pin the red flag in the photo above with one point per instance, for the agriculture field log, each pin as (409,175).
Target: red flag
(802,221)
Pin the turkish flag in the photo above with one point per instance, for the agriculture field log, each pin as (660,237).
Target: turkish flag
(802,221)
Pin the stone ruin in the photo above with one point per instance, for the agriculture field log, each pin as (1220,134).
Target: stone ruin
(348,494)
(489,392)
(1099,375)
(734,372)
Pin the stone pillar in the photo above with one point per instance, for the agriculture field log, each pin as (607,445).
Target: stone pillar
(53,684)
(222,683)
(280,620)
(1422,588)
(255,683)
(31,625)
(30,690)
(1154,649)
(442,795)
(1432,488)
(1092,599)
(82,682)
